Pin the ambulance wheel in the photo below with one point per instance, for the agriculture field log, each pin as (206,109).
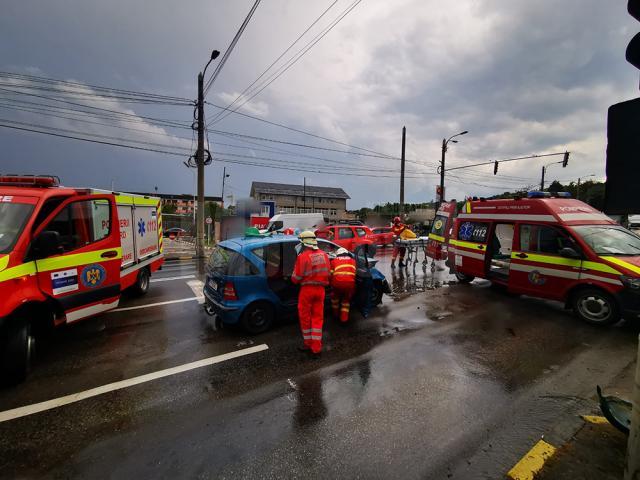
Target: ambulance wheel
(142,282)
(17,351)
(463,278)
(595,306)
(257,318)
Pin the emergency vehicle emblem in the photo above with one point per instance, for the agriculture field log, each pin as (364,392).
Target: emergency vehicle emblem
(93,275)
(141,227)
(466,231)
(536,278)
(438,224)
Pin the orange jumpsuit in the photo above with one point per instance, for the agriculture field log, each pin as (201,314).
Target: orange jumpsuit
(397,229)
(343,285)
(311,272)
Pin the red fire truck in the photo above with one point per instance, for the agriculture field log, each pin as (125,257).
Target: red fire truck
(66,254)
(555,248)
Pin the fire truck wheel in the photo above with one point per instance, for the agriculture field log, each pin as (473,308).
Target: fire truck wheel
(257,317)
(18,348)
(142,283)
(595,306)
(463,278)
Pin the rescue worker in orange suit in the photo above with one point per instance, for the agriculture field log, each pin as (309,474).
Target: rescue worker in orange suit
(397,229)
(311,272)
(343,283)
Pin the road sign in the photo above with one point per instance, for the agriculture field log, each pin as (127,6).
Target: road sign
(209,220)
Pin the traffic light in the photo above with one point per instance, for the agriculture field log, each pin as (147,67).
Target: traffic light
(565,159)
(495,167)
(633,49)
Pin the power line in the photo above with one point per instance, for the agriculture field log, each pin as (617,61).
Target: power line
(227,53)
(39,79)
(293,60)
(491,162)
(278,59)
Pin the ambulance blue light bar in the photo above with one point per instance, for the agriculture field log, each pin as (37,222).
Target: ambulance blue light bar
(538,194)
(563,194)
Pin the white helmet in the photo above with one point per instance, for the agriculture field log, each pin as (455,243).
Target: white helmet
(342,251)
(308,238)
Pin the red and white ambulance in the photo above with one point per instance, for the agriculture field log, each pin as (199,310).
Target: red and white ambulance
(440,230)
(555,248)
(67,254)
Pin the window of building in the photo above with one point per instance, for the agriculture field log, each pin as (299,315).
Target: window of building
(333,212)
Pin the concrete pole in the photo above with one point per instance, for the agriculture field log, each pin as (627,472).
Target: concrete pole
(200,164)
(442,161)
(632,469)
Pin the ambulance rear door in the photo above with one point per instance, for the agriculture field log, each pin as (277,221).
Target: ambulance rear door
(147,243)
(127,237)
(468,246)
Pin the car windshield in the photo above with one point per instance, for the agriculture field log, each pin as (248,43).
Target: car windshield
(609,240)
(13,217)
(225,261)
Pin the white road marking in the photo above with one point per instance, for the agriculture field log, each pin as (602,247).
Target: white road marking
(292,384)
(167,279)
(148,305)
(110,387)
(198,289)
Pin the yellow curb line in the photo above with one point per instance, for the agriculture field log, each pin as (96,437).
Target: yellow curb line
(532,462)
(595,419)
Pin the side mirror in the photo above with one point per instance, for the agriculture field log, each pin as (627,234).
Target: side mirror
(47,244)
(569,252)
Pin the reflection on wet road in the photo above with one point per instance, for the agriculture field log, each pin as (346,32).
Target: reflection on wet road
(441,381)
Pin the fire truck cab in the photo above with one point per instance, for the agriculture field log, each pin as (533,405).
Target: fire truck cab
(555,248)
(67,254)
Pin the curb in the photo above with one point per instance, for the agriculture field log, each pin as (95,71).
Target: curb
(534,460)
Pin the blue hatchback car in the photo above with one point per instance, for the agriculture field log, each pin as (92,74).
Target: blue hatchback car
(248,280)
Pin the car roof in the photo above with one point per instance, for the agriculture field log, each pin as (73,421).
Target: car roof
(243,242)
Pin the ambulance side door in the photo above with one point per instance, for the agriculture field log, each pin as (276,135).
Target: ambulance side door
(83,275)
(537,267)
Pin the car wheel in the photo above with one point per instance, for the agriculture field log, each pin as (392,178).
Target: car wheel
(142,282)
(257,317)
(595,306)
(375,296)
(463,278)
(18,349)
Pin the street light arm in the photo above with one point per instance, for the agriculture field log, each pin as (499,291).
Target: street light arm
(454,136)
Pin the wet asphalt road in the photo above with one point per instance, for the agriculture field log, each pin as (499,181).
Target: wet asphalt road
(441,381)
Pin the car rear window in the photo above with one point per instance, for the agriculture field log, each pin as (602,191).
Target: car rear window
(225,261)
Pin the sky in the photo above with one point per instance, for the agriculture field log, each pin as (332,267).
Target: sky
(524,78)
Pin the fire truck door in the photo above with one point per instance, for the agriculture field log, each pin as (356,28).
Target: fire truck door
(84,277)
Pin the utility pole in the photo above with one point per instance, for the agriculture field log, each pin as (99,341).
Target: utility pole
(444,151)
(200,165)
(224,177)
(200,160)
(304,195)
(544,169)
(404,137)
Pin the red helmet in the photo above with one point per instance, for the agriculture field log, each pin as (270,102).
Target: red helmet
(397,220)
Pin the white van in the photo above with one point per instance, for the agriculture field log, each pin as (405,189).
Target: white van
(299,221)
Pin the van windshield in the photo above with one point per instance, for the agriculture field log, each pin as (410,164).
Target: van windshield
(609,240)
(13,217)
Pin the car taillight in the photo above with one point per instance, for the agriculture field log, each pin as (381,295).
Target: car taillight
(229,292)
